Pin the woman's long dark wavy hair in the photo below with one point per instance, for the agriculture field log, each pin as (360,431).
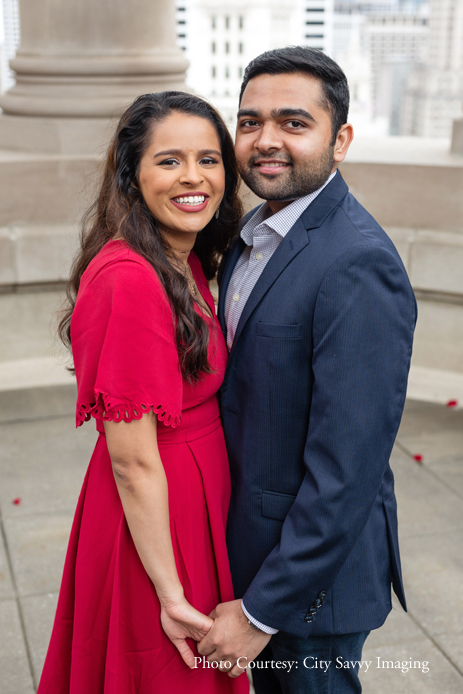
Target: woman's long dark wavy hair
(120,209)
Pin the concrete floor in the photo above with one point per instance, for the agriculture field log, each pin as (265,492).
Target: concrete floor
(43,461)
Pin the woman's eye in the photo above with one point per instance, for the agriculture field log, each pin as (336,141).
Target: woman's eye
(208,160)
(168,162)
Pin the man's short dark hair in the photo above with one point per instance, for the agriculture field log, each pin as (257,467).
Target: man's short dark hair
(309,61)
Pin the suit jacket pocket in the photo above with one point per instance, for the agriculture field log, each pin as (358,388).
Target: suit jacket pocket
(276,505)
(282,332)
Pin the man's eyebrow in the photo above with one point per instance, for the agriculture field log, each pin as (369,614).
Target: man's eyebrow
(249,112)
(277,113)
(292,113)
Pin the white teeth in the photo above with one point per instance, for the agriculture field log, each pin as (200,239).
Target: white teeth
(191,200)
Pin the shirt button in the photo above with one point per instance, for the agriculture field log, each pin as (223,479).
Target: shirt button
(259,256)
(236,297)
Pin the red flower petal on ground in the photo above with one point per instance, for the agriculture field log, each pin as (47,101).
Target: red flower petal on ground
(418,457)
(452,403)
(17,501)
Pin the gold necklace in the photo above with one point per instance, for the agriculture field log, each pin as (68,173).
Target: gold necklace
(192,286)
(197,296)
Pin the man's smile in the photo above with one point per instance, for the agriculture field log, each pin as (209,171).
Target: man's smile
(270,166)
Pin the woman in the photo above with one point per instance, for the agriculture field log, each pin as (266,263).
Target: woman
(147,556)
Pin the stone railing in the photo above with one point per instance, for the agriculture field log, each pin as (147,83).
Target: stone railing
(413,187)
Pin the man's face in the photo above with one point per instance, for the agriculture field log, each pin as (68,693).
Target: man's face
(283,137)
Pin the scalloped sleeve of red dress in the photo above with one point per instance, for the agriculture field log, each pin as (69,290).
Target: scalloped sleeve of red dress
(123,341)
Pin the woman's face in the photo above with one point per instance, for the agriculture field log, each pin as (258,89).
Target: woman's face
(182,177)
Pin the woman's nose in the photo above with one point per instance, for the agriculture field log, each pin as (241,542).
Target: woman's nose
(191,173)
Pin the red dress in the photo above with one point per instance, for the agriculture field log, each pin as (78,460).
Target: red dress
(107,637)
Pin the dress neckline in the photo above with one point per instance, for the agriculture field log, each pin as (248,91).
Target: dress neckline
(194,269)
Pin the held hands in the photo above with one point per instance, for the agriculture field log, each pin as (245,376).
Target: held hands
(231,639)
(181,621)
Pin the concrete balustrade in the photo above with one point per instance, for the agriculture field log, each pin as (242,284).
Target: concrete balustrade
(398,180)
(413,188)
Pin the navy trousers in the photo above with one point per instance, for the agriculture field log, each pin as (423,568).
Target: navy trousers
(317,665)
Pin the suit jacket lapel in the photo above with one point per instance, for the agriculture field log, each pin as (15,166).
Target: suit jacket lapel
(296,239)
(325,202)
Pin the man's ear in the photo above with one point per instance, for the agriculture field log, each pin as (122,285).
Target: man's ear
(343,139)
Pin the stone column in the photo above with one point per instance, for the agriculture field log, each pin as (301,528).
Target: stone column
(79,65)
(86,59)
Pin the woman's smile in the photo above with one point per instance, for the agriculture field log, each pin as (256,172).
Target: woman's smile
(193,202)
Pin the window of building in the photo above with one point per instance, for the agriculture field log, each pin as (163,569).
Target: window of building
(240,72)
(227,22)
(314,36)
(313,23)
(227,47)
(227,72)
(181,36)
(213,21)
(241,21)
(213,47)
(240,48)
(181,21)
(214,71)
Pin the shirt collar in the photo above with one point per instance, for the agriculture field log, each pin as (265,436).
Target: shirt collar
(281,222)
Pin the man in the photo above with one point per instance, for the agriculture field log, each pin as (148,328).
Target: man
(319,315)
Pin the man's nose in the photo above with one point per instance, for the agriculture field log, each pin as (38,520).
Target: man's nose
(269,138)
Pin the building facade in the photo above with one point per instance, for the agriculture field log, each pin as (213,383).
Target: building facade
(388,37)
(434,94)
(220,37)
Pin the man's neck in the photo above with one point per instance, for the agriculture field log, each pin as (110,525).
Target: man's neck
(277,205)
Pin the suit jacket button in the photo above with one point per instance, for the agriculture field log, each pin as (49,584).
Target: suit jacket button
(317,603)
(322,594)
(308,618)
(312,610)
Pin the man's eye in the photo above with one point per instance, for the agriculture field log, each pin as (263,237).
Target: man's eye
(249,123)
(295,124)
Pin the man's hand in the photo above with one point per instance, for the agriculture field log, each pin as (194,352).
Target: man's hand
(231,639)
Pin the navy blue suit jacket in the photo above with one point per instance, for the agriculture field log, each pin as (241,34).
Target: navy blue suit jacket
(311,402)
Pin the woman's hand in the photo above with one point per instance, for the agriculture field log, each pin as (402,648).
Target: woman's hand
(181,621)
